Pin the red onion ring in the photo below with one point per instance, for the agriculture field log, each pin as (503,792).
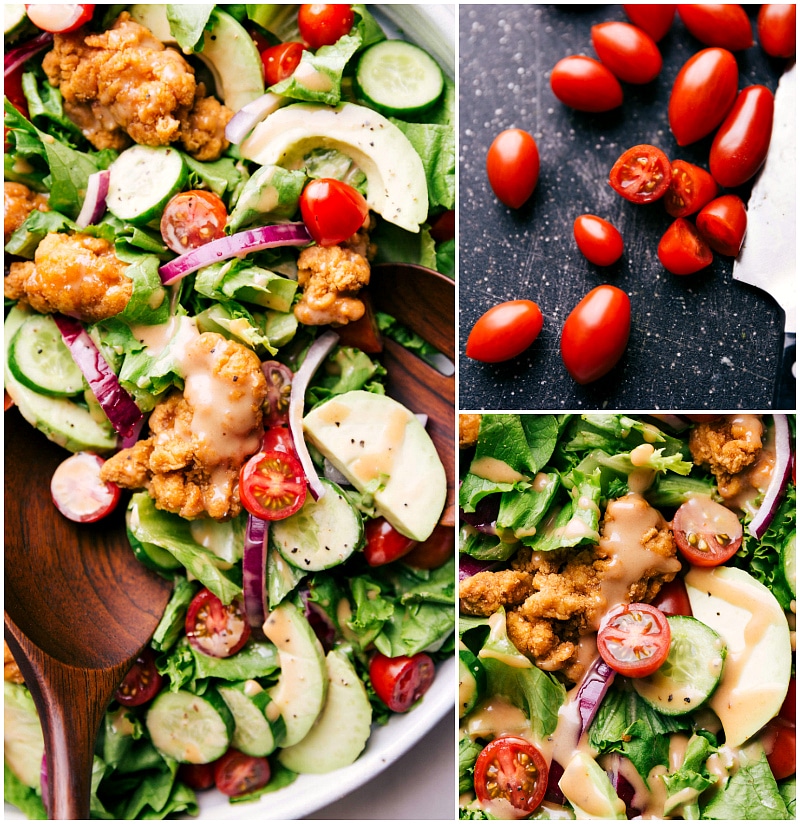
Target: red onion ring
(777,483)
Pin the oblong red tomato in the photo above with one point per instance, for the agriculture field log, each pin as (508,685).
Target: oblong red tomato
(682,250)
(741,142)
(777,29)
(718,24)
(504,331)
(630,53)
(596,333)
(641,174)
(585,84)
(512,164)
(599,241)
(689,190)
(654,18)
(702,94)
(723,223)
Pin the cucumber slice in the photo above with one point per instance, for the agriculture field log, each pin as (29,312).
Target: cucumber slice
(39,359)
(789,558)
(322,534)
(471,682)
(142,180)
(259,727)
(692,671)
(398,78)
(151,555)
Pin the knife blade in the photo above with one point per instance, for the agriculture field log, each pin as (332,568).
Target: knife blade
(769,254)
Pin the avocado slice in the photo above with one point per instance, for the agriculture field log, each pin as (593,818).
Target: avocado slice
(587,787)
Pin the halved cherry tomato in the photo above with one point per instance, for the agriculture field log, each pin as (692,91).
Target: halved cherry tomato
(279,389)
(192,219)
(272,485)
(322,24)
(584,84)
(197,776)
(435,550)
(512,164)
(8,401)
(595,333)
(384,543)
(332,210)
(142,682)
(741,142)
(236,773)
(216,629)
(707,533)
(630,53)
(79,492)
(682,250)
(280,438)
(633,639)
(59,18)
(723,223)
(641,174)
(654,18)
(504,331)
(511,769)
(599,241)
(718,24)
(673,599)
(689,190)
(400,682)
(280,61)
(780,743)
(777,29)
(702,94)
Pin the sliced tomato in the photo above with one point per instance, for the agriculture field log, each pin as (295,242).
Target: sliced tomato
(777,29)
(513,770)
(192,219)
(723,223)
(654,18)
(629,52)
(641,174)
(707,533)
(322,24)
(280,61)
(279,390)
(512,165)
(197,776)
(59,18)
(280,438)
(634,639)
(142,682)
(673,599)
(216,629)
(585,84)
(682,250)
(272,485)
(332,211)
(384,543)
(401,681)
(504,331)
(79,492)
(435,551)
(718,24)
(691,187)
(236,773)
(780,744)
(599,241)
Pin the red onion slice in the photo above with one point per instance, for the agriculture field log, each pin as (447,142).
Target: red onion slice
(249,116)
(94,204)
(777,483)
(22,53)
(469,566)
(592,691)
(254,572)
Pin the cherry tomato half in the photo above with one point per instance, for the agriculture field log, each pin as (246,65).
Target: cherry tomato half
(718,24)
(504,331)
(216,629)
(723,223)
(777,29)
(641,174)
(197,776)
(599,241)
(780,743)
(272,485)
(192,219)
(673,599)
(322,24)
(584,84)
(279,389)
(595,333)
(707,533)
(142,682)
(280,438)
(702,94)
(630,53)
(512,164)
(654,18)
(435,551)
(384,543)
(400,682)
(79,492)
(741,142)
(682,250)
(236,773)
(511,769)
(59,18)
(633,639)
(332,210)
(280,61)
(689,190)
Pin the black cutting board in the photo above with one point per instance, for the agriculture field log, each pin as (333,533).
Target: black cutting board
(697,342)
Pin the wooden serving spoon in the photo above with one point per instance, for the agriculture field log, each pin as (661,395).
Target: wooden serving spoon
(79,609)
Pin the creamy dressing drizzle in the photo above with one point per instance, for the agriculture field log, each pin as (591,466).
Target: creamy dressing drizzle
(495,470)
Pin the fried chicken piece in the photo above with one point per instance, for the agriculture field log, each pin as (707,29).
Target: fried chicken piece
(124,84)
(10,669)
(468,428)
(76,275)
(18,202)
(485,592)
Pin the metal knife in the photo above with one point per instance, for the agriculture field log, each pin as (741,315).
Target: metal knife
(768,258)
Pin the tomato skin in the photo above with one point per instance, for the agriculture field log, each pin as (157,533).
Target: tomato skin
(214,628)
(280,61)
(723,223)
(322,24)
(504,331)
(585,84)
(633,639)
(512,769)
(197,776)
(142,681)
(384,543)
(192,219)
(673,599)
(278,437)
(777,29)
(236,773)
(690,189)
(595,333)
(718,24)
(78,491)
(69,17)
(400,682)
(332,211)
(780,743)
(682,250)
(272,485)
(512,164)
(707,533)
(703,92)
(435,551)
(641,174)
(789,707)
(630,53)
(741,142)
(599,241)
(653,18)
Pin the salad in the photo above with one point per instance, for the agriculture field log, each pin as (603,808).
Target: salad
(194,199)
(628,612)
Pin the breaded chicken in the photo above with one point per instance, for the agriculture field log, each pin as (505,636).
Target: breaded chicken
(468,428)
(76,275)
(10,669)
(18,202)
(728,445)
(124,85)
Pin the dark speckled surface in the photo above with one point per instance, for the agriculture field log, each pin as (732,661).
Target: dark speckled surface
(703,341)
